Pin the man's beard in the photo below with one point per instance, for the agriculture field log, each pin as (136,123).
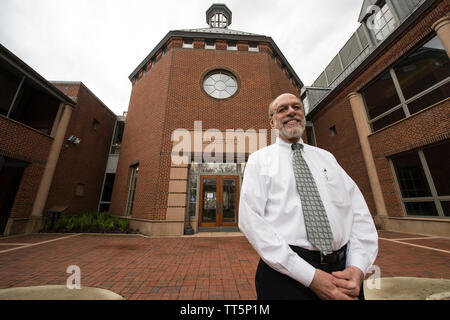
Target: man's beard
(293,132)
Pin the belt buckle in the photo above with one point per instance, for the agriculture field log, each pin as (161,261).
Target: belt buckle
(322,257)
(326,259)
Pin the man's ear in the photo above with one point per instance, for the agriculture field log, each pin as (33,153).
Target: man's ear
(272,125)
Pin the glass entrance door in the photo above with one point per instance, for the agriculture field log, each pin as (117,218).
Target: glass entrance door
(209,201)
(219,196)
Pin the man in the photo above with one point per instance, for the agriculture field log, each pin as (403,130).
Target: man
(276,208)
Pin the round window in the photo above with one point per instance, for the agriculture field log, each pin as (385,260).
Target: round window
(220,84)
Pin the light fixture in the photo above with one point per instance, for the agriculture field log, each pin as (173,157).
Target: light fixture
(74,140)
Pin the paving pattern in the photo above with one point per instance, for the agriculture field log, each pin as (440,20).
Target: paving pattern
(185,268)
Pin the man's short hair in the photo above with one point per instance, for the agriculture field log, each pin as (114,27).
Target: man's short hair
(271,105)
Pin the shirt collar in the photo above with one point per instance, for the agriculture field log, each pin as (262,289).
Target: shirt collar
(283,143)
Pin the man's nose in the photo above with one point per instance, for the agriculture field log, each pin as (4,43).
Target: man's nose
(292,111)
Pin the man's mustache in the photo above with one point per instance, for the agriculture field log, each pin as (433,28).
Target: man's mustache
(293,118)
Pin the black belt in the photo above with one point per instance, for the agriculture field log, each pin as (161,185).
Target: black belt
(317,256)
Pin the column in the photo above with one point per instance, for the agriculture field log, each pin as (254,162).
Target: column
(57,120)
(362,127)
(442,28)
(50,166)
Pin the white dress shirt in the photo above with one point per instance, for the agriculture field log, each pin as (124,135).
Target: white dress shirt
(270,210)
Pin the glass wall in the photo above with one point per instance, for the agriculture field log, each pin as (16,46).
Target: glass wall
(419,80)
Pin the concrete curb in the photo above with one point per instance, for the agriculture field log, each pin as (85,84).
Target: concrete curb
(407,288)
(54,292)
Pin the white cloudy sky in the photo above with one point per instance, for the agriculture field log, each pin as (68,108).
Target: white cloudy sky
(100,42)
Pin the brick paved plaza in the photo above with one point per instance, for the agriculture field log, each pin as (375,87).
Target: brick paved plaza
(199,268)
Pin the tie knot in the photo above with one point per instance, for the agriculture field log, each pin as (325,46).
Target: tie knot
(296,146)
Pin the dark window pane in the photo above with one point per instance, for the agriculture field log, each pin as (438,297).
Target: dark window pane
(423,68)
(446,207)
(192,193)
(35,107)
(108,187)
(439,94)
(421,209)
(9,84)
(209,209)
(117,140)
(388,119)
(191,209)
(310,136)
(229,200)
(380,96)
(438,162)
(410,175)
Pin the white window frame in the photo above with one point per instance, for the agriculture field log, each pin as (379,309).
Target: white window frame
(435,198)
(188,45)
(232,47)
(210,47)
(131,190)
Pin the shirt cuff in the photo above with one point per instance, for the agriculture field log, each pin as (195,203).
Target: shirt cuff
(359,262)
(303,272)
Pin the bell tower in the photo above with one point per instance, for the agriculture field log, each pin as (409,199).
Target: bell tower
(218,16)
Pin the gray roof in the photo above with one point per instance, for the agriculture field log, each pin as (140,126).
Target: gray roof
(221,31)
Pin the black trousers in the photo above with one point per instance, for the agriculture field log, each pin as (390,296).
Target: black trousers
(273,285)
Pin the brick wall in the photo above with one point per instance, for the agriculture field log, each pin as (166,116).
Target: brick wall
(84,163)
(142,141)
(20,142)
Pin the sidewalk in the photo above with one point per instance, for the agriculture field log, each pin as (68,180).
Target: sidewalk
(205,266)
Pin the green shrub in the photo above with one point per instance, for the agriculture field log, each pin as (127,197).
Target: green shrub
(123,224)
(88,222)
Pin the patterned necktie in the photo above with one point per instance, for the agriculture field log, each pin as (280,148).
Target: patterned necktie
(316,221)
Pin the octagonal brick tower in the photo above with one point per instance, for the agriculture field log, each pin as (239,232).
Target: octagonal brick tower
(202,82)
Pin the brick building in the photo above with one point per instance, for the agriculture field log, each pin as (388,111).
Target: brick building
(48,133)
(382,108)
(197,84)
